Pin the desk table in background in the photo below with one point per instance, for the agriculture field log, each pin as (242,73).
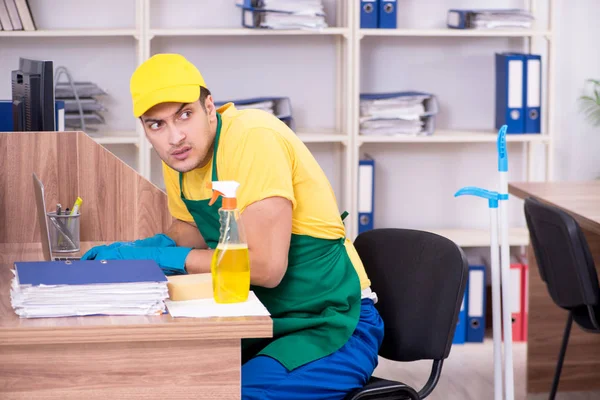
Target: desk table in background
(581,368)
(117,357)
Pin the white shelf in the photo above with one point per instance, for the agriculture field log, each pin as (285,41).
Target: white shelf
(247,32)
(456,32)
(443,136)
(322,137)
(116,137)
(481,237)
(70,32)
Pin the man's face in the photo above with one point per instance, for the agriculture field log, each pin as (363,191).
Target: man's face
(181,134)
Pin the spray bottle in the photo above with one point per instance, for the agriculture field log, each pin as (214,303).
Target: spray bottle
(230,266)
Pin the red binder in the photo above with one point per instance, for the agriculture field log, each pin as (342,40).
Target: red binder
(516,301)
(525,298)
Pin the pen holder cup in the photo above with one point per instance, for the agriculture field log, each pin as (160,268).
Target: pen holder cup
(64,232)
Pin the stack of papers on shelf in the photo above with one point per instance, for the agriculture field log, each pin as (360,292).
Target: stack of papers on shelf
(87,108)
(490,18)
(206,308)
(283,14)
(281,107)
(401,113)
(88,287)
(15,15)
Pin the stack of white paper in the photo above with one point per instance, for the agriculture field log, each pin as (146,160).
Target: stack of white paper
(392,116)
(205,308)
(493,19)
(57,289)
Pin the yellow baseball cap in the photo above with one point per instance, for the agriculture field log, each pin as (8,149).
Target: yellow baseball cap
(164,78)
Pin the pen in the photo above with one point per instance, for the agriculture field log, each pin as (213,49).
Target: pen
(58,208)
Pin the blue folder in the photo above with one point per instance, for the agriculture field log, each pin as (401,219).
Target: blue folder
(366,194)
(87,272)
(460,332)
(476,303)
(388,14)
(533,93)
(369,14)
(6,116)
(510,92)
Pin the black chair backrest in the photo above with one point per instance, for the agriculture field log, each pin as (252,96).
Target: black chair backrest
(562,254)
(420,279)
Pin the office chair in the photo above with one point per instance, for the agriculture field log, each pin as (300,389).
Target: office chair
(420,279)
(566,266)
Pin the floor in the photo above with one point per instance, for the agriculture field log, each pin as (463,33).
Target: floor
(471,359)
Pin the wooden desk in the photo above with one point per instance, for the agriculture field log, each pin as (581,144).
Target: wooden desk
(581,368)
(141,357)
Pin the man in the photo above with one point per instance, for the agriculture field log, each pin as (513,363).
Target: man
(327,331)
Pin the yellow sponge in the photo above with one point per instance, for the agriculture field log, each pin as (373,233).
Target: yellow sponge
(190,287)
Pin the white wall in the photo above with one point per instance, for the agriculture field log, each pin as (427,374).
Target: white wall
(577,33)
(415,182)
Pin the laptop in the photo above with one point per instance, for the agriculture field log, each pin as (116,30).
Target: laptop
(40,203)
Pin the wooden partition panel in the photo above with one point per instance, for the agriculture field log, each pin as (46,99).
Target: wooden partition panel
(118,203)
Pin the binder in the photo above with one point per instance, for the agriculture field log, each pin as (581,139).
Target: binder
(476,304)
(88,272)
(533,91)
(510,111)
(6,116)
(516,301)
(525,299)
(460,333)
(387,14)
(369,14)
(366,194)
(59,115)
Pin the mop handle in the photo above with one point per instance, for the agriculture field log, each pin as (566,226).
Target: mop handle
(496,324)
(505,262)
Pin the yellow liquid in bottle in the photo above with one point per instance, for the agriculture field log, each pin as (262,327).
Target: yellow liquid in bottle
(230,270)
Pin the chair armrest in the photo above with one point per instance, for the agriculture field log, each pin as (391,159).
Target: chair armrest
(378,388)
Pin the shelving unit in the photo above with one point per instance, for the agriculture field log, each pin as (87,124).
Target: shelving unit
(331,131)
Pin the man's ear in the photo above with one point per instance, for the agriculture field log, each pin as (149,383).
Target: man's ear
(209,105)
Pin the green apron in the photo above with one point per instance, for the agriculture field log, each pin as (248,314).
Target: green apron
(315,308)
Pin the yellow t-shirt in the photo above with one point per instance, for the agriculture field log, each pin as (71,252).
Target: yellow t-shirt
(260,152)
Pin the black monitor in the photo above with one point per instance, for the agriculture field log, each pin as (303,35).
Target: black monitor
(33,96)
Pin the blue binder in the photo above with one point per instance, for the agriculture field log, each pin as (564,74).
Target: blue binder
(510,110)
(6,117)
(87,272)
(533,93)
(476,304)
(366,194)
(460,333)
(387,14)
(369,14)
